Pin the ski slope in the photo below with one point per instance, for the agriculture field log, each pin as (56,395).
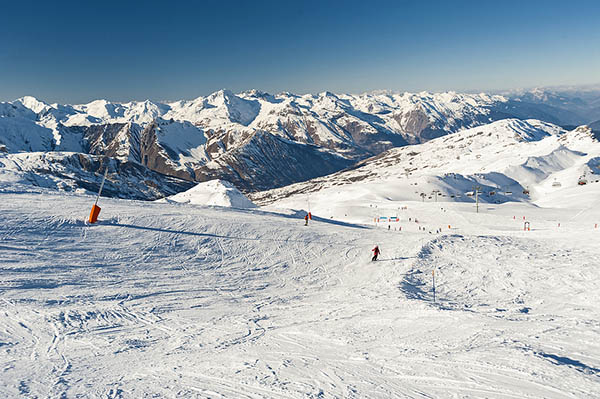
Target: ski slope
(181,301)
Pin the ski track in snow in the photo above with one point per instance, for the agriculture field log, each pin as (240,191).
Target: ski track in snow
(162,300)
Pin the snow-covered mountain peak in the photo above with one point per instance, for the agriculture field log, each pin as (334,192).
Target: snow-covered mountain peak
(580,138)
(254,93)
(328,94)
(217,136)
(219,97)
(33,104)
(101,109)
(583,130)
(231,107)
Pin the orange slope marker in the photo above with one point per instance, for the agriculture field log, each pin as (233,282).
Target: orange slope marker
(95,208)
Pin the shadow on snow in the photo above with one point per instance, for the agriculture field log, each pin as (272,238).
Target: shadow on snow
(191,233)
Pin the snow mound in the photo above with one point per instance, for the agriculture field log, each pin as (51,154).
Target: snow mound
(214,192)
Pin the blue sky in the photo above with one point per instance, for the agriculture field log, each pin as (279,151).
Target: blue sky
(118,50)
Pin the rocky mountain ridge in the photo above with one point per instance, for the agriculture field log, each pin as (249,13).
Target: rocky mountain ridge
(254,139)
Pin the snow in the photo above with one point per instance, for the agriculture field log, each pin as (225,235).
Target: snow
(327,115)
(183,139)
(215,193)
(254,110)
(222,124)
(202,294)
(174,300)
(68,171)
(22,134)
(505,156)
(33,104)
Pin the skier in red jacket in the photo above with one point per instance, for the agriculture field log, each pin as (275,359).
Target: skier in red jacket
(376,253)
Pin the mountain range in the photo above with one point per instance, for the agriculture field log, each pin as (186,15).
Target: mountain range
(507,160)
(255,140)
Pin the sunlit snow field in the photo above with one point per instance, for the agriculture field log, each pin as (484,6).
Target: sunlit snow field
(176,300)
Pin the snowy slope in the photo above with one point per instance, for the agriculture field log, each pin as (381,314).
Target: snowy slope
(173,148)
(213,193)
(22,134)
(505,159)
(170,300)
(67,171)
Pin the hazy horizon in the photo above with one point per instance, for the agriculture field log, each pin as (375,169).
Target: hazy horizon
(583,87)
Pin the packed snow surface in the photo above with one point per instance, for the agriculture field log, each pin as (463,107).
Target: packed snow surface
(214,192)
(171,300)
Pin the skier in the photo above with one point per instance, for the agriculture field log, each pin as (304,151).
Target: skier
(306,220)
(376,253)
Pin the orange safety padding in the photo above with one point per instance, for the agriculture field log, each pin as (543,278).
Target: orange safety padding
(94,213)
